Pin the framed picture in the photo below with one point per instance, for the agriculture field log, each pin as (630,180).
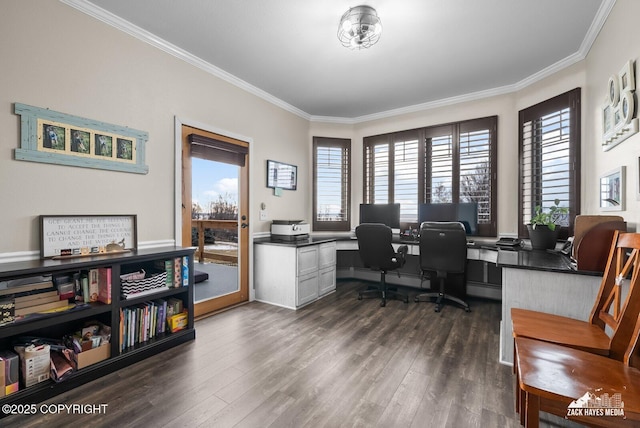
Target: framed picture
(64,236)
(627,77)
(59,138)
(281,175)
(612,190)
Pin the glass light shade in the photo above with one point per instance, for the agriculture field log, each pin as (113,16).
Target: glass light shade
(359,27)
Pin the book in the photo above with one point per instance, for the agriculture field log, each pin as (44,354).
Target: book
(93,285)
(7,311)
(85,288)
(185,271)
(177,272)
(104,285)
(38,296)
(25,285)
(58,304)
(162,310)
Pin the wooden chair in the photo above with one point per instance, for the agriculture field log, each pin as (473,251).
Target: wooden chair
(550,377)
(608,310)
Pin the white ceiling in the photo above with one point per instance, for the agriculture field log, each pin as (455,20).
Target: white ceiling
(431,52)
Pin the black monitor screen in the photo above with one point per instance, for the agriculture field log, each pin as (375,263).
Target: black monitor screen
(464,212)
(388,214)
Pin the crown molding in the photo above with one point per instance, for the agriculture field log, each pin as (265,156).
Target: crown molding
(147,37)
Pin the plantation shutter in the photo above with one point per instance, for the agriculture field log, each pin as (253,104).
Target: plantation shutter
(331,184)
(405,180)
(476,174)
(377,171)
(549,147)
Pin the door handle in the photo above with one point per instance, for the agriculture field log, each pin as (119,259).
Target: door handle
(244,225)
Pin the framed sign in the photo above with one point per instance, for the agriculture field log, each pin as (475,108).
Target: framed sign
(86,235)
(282,175)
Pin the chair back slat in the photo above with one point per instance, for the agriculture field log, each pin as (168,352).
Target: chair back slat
(610,312)
(621,315)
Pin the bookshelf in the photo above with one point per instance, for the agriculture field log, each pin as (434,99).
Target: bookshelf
(55,325)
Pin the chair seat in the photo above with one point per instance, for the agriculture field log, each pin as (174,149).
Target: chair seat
(558,375)
(560,330)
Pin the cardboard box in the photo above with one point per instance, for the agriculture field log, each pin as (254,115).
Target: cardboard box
(11,371)
(92,356)
(35,363)
(178,322)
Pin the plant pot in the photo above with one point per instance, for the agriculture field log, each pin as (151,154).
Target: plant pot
(542,238)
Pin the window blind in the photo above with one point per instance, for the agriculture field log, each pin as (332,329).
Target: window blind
(215,150)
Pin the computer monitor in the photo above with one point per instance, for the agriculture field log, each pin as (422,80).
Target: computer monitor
(388,214)
(464,212)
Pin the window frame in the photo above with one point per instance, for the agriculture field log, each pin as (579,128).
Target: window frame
(345,145)
(424,164)
(572,101)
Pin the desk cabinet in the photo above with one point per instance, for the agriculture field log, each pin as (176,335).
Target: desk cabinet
(293,276)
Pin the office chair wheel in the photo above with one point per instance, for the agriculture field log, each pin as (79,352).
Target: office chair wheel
(359,296)
(437,309)
(383,304)
(416,300)
(467,309)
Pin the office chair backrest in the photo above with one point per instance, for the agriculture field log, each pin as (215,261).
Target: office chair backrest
(374,245)
(443,247)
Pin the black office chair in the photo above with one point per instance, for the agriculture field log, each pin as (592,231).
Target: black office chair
(376,252)
(443,250)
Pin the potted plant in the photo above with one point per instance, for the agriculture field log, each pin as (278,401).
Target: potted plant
(544,226)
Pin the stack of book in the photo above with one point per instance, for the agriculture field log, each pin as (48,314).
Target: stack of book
(26,296)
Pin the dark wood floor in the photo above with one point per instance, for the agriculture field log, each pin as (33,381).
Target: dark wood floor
(338,362)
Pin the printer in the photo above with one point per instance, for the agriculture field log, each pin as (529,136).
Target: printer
(289,230)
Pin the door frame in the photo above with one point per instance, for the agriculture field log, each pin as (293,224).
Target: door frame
(178,191)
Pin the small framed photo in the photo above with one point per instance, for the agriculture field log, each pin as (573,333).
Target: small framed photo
(627,77)
(627,107)
(614,90)
(53,136)
(612,190)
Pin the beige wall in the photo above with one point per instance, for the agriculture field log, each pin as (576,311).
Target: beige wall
(56,57)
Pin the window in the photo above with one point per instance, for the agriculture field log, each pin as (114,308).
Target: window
(439,164)
(331,184)
(549,135)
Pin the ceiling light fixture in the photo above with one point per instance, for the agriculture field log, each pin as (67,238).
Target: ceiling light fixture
(359,27)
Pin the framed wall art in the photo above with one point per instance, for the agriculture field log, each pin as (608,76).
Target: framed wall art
(618,110)
(59,138)
(612,190)
(281,175)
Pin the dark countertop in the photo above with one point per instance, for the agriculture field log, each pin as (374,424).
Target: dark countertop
(520,258)
(549,261)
